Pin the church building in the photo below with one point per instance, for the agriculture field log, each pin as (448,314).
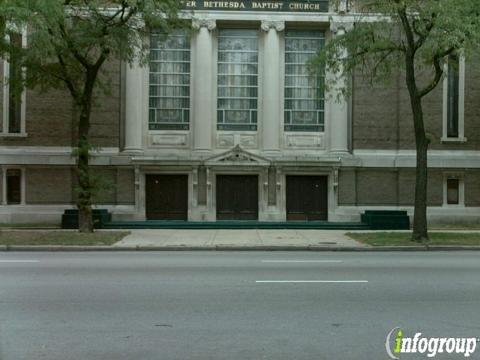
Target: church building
(227,123)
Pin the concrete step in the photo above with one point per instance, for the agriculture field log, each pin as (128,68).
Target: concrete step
(314,225)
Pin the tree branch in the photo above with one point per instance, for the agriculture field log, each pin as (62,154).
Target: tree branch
(81,59)
(422,37)
(70,84)
(437,63)
(402,13)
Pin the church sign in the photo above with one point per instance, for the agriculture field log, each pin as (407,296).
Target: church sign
(260,5)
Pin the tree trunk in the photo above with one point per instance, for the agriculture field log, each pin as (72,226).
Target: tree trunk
(420,229)
(420,226)
(84,202)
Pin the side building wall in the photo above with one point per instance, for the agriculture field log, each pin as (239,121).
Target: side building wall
(394,188)
(44,152)
(49,190)
(382,116)
(51,119)
(383,148)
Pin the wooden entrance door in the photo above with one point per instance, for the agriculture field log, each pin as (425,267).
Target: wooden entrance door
(237,197)
(307,198)
(167,197)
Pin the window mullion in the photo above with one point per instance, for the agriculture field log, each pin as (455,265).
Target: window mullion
(304,100)
(237,80)
(169,98)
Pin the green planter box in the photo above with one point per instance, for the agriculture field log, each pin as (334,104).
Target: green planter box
(386,219)
(100,218)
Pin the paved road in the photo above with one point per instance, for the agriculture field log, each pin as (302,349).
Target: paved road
(210,305)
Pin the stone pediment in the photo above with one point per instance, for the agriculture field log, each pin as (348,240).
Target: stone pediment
(237,156)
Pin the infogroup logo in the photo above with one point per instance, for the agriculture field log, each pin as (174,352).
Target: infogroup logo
(398,344)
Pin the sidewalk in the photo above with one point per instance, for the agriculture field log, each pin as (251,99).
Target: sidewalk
(213,239)
(239,240)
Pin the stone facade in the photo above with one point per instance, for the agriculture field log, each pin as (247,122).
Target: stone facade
(365,153)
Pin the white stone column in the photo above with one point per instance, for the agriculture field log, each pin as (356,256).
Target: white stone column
(203,85)
(271,94)
(338,104)
(134,107)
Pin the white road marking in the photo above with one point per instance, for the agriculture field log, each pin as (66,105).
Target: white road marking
(19,261)
(312,281)
(303,261)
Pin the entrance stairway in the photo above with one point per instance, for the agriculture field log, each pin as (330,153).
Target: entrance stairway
(312,225)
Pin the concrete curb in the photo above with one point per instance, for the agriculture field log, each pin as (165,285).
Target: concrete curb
(17,248)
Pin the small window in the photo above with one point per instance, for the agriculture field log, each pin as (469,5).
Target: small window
(14,109)
(454,99)
(14,187)
(453,191)
(453,96)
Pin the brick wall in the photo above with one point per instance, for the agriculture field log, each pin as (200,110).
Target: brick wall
(347,187)
(1,185)
(472,104)
(48,186)
(1,95)
(376,187)
(386,187)
(472,187)
(51,119)
(56,185)
(382,116)
(125,186)
(374,115)
(105,119)
(108,195)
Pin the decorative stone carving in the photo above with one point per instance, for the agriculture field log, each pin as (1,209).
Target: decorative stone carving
(179,140)
(304,141)
(225,141)
(277,25)
(210,24)
(342,27)
(248,141)
(238,156)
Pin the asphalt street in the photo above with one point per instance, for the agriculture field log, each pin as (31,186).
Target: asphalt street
(232,305)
